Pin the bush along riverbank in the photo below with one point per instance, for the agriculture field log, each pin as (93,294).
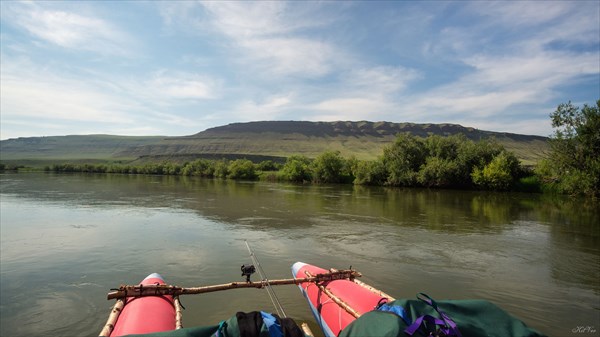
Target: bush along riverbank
(435,161)
(572,167)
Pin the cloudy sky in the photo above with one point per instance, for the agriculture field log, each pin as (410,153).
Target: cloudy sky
(177,68)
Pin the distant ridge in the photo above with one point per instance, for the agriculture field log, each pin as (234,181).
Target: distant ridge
(362,139)
(357,129)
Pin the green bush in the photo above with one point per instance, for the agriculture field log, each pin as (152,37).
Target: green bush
(438,172)
(199,167)
(171,169)
(403,159)
(242,169)
(499,174)
(268,165)
(434,161)
(474,154)
(531,184)
(369,172)
(221,169)
(573,165)
(438,161)
(327,167)
(444,147)
(296,169)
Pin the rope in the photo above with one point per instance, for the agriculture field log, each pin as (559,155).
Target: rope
(265,280)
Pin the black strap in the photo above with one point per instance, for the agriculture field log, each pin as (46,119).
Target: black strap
(249,323)
(290,328)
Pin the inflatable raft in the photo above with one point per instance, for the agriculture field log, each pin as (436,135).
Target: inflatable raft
(146,314)
(337,303)
(350,308)
(342,305)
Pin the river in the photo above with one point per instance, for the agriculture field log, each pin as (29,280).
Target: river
(66,239)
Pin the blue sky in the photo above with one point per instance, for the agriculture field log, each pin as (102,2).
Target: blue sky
(177,68)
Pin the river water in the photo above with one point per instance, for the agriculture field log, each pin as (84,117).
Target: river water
(67,239)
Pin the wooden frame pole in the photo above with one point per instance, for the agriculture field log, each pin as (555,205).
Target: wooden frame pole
(163,289)
(112,318)
(306,330)
(336,299)
(178,313)
(374,290)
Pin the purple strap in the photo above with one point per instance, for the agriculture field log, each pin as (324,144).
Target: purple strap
(446,325)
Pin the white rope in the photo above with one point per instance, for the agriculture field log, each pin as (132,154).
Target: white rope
(265,280)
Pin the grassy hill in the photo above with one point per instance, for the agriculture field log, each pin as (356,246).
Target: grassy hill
(365,140)
(71,147)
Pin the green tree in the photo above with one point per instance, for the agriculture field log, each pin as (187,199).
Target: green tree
(573,166)
(441,167)
(199,167)
(369,172)
(171,168)
(221,169)
(438,172)
(328,167)
(444,147)
(242,169)
(499,174)
(403,159)
(474,154)
(297,169)
(267,165)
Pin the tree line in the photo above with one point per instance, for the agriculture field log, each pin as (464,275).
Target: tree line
(435,161)
(572,167)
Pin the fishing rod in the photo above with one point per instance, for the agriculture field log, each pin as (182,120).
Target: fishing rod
(270,291)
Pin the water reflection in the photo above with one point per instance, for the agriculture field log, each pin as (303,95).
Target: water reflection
(230,201)
(71,237)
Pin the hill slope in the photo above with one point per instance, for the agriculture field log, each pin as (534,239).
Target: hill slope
(71,147)
(363,139)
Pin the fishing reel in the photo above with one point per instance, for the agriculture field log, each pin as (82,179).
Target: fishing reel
(247,270)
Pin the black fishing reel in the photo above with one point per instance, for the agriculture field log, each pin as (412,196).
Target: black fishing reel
(247,270)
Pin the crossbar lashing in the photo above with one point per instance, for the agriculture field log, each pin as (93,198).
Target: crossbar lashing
(163,289)
(125,291)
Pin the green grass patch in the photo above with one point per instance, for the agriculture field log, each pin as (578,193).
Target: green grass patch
(531,184)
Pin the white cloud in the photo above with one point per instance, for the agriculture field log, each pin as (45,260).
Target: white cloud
(177,12)
(521,13)
(380,79)
(351,108)
(44,98)
(507,77)
(539,23)
(488,64)
(69,29)
(289,56)
(182,86)
(266,37)
(365,93)
(538,126)
(243,20)
(541,70)
(271,108)
(14,128)
(32,92)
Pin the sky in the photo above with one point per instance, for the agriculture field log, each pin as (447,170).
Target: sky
(177,68)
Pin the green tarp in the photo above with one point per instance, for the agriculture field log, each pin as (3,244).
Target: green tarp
(203,331)
(474,318)
(228,328)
